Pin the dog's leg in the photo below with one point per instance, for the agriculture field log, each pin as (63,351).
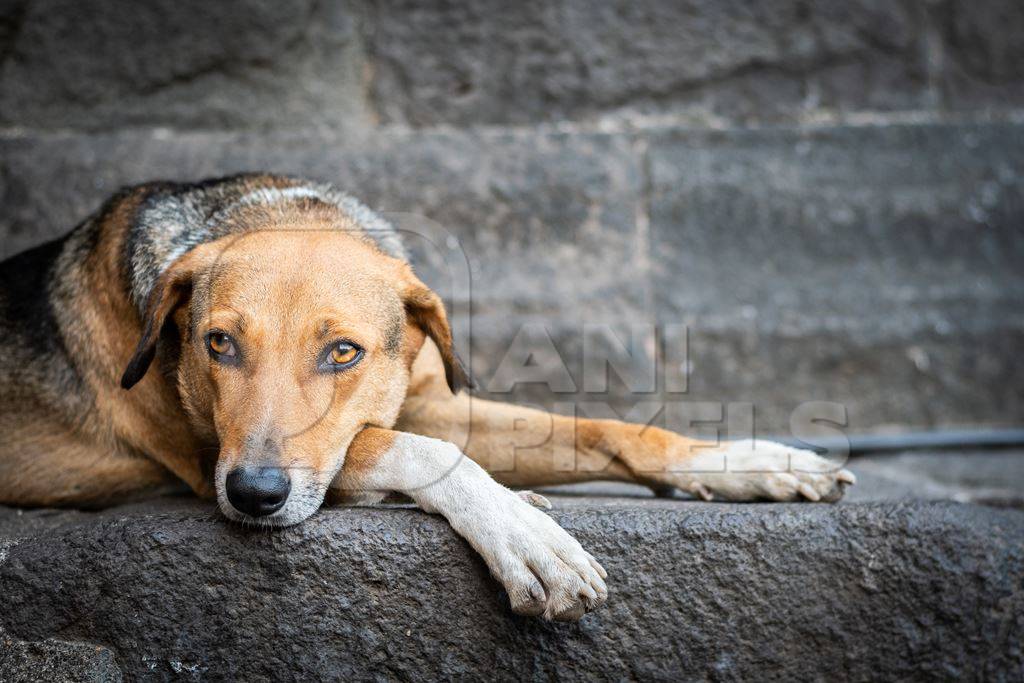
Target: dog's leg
(544,569)
(57,469)
(524,447)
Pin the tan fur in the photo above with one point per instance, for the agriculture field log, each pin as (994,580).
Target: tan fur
(284,292)
(262,279)
(261,292)
(526,447)
(365,450)
(105,455)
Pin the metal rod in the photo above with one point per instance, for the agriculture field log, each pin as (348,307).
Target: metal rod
(961,439)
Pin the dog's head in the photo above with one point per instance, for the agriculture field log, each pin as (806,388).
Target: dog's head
(290,342)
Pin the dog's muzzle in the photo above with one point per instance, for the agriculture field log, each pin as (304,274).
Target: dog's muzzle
(258,491)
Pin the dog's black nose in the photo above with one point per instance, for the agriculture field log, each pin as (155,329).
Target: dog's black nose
(258,491)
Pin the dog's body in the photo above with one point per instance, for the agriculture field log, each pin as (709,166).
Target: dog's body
(296,358)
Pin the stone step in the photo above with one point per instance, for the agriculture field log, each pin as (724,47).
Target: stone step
(298,63)
(877,267)
(891,589)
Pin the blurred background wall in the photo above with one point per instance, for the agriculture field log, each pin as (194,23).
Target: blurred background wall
(822,201)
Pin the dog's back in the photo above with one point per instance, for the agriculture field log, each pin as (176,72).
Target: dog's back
(143,229)
(37,376)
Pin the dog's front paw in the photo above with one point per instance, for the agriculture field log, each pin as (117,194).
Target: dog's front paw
(545,570)
(764,470)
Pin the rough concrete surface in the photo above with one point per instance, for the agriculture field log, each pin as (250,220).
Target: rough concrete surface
(896,589)
(55,660)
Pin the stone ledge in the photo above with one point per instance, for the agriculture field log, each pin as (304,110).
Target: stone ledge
(858,591)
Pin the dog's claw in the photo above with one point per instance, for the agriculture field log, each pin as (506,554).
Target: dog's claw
(768,471)
(535,499)
(597,566)
(545,571)
(809,493)
(699,489)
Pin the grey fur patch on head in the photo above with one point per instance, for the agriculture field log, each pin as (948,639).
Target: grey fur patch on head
(170,223)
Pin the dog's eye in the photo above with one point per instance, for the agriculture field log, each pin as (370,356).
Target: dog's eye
(221,346)
(342,355)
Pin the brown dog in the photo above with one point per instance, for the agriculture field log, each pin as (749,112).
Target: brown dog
(280,351)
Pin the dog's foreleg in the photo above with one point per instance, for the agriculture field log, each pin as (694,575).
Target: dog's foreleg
(525,447)
(544,569)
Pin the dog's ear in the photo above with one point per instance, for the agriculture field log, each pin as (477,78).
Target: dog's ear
(425,309)
(171,289)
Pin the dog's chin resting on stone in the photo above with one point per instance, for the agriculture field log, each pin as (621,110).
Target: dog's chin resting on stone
(281,319)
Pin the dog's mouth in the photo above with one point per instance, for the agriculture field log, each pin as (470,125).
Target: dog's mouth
(268,496)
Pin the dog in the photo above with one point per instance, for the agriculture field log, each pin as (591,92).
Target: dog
(264,340)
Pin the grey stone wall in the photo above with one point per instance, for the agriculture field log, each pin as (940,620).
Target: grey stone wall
(828,196)
(294,63)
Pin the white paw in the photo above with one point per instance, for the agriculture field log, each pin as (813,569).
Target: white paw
(545,570)
(765,470)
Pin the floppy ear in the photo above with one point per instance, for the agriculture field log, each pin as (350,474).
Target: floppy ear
(171,289)
(426,310)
